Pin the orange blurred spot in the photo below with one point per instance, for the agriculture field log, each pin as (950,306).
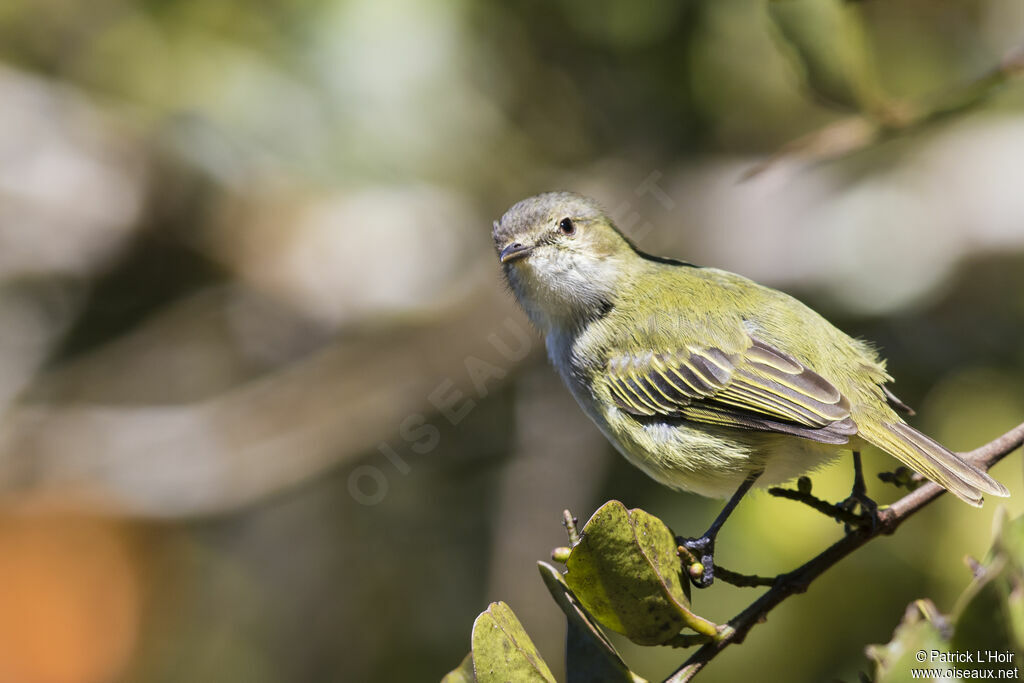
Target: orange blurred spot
(69,599)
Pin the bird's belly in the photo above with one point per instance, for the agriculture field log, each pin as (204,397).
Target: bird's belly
(713,461)
(704,459)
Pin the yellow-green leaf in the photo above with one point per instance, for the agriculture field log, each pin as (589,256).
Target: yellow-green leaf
(589,655)
(626,573)
(502,652)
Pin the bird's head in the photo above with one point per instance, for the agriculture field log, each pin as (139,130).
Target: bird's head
(563,257)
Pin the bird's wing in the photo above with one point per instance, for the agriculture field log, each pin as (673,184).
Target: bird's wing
(760,388)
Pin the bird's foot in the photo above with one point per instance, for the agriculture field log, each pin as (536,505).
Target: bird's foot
(701,561)
(858,503)
(700,552)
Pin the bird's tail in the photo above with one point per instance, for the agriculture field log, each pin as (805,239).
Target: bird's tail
(933,460)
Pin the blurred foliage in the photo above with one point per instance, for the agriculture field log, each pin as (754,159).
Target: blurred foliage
(828,37)
(988,618)
(261,390)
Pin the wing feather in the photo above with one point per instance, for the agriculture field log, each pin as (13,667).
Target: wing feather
(760,388)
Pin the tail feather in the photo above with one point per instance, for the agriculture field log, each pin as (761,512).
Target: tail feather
(933,460)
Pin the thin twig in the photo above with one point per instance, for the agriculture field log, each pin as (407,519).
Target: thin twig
(743,580)
(797,581)
(569,522)
(836,512)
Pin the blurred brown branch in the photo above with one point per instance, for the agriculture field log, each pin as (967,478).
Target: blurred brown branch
(217,453)
(854,133)
(798,581)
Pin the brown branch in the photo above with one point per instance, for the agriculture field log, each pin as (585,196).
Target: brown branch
(743,580)
(797,581)
(832,510)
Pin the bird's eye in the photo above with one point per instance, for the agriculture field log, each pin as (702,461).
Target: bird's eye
(567,227)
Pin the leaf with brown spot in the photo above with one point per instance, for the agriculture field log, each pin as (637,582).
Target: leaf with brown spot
(626,573)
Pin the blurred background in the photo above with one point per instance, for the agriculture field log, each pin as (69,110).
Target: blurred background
(266,412)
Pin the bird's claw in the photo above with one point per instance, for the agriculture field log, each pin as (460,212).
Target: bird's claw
(864,507)
(703,551)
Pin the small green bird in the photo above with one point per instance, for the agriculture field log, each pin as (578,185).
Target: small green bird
(703,379)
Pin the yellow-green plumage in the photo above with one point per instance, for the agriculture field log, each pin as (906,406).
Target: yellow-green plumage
(701,377)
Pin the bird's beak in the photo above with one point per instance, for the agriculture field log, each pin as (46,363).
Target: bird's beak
(514,251)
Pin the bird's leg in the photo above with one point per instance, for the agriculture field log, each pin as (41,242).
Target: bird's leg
(703,548)
(859,496)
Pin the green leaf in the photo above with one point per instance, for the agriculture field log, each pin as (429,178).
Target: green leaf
(502,652)
(464,674)
(589,656)
(626,572)
(828,41)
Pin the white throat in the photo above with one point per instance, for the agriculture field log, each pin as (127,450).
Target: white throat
(562,290)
